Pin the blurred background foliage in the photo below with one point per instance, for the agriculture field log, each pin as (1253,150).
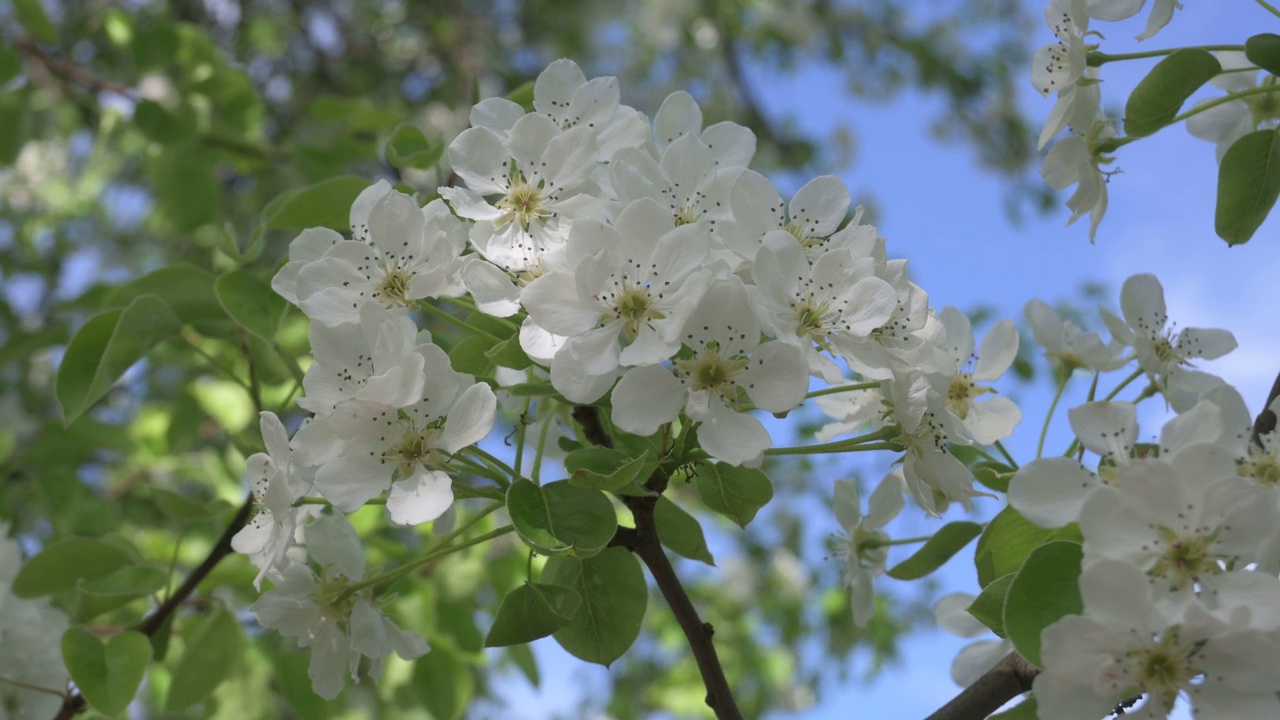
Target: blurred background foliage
(141,136)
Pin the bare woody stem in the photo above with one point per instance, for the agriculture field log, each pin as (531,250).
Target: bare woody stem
(1010,678)
(643,542)
(152,623)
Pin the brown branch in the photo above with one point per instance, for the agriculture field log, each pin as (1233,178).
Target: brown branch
(1010,678)
(643,542)
(1266,421)
(64,70)
(75,703)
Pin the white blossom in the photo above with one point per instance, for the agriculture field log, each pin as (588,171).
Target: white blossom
(373,359)
(409,445)
(1162,354)
(1066,344)
(951,612)
(725,357)
(986,420)
(1113,10)
(339,625)
(1122,647)
(277,482)
(30,651)
(864,544)
(410,254)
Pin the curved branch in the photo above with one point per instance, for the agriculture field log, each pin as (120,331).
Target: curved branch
(643,542)
(1010,678)
(75,704)
(1266,421)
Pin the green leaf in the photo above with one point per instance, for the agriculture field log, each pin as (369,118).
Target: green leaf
(938,549)
(509,354)
(187,290)
(607,469)
(614,596)
(558,518)
(214,645)
(1008,539)
(62,565)
(1264,51)
(1156,100)
(10,64)
(471,356)
(532,611)
(680,532)
(252,303)
(988,607)
(107,674)
(162,125)
(993,475)
(736,492)
(1045,589)
(180,507)
(443,683)
(1248,185)
(324,204)
(32,15)
(187,189)
(409,147)
(523,96)
(1025,710)
(124,585)
(108,345)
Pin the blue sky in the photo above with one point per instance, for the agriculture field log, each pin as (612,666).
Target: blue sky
(938,210)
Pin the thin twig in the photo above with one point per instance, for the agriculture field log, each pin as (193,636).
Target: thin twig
(1266,421)
(66,71)
(1010,678)
(75,704)
(643,542)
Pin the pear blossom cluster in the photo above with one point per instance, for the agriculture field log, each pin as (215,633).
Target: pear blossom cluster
(1061,68)
(648,269)
(386,411)
(1181,536)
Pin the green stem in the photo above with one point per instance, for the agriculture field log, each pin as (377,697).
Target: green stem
(832,448)
(1009,458)
(441,549)
(1209,104)
(1096,59)
(508,474)
(449,318)
(842,388)
(214,363)
(34,688)
(542,444)
(431,557)
(1268,7)
(479,468)
(1044,429)
(899,541)
(1123,384)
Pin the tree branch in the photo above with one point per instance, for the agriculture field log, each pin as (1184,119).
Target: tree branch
(67,71)
(1010,678)
(75,704)
(643,542)
(1266,421)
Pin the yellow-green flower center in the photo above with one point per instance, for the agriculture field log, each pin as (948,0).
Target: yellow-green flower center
(961,393)
(709,371)
(393,291)
(1185,559)
(523,204)
(1164,668)
(414,449)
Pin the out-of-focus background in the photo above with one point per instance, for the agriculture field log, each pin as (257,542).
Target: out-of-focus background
(137,135)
